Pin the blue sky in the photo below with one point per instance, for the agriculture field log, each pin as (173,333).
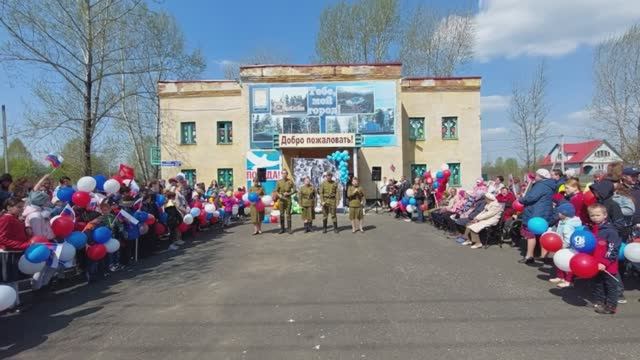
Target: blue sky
(512,37)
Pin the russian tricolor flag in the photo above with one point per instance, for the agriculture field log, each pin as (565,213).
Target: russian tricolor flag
(54,160)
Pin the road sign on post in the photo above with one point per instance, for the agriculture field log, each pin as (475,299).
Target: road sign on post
(171,163)
(155,155)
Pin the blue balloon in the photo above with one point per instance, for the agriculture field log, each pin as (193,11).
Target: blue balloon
(133,232)
(405,201)
(439,175)
(266,219)
(621,252)
(221,212)
(329,157)
(37,253)
(141,216)
(160,200)
(100,180)
(583,241)
(254,197)
(65,194)
(436,185)
(102,234)
(78,239)
(209,216)
(412,201)
(164,217)
(537,225)
(195,212)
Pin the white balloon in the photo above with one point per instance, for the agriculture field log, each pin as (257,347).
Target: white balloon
(209,208)
(144,229)
(267,200)
(111,186)
(188,219)
(245,197)
(112,245)
(393,204)
(277,212)
(86,183)
(444,167)
(562,258)
(216,214)
(411,208)
(8,297)
(632,252)
(29,268)
(410,193)
(234,210)
(68,252)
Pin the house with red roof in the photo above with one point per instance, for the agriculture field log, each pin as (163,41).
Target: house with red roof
(584,158)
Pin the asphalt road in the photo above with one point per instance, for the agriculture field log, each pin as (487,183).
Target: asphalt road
(398,291)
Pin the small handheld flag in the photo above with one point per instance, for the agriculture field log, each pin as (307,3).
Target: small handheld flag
(54,160)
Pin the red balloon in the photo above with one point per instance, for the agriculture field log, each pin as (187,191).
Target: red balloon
(551,241)
(429,180)
(183,228)
(584,266)
(260,205)
(39,239)
(517,206)
(202,217)
(62,226)
(238,195)
(159,229)
(274,219)
(423,207)
(214,220)
(81,198)
(96,252)
(446,173)
(589,198)
(150,220)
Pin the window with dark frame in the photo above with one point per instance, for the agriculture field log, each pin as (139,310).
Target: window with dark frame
(225,132)
(416,128)
(188,133)
(450,128)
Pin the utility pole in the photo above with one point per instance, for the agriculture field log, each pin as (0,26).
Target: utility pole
(5,140)
(562,153)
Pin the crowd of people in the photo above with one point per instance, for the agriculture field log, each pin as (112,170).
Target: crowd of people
(609,207)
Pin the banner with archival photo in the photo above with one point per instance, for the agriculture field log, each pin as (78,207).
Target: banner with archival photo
(314,168)
(366,107)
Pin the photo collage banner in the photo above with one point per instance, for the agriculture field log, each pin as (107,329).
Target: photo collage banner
(367,108)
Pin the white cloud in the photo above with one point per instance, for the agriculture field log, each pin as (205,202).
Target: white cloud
(224,62)
(513,28)
(580,115)
(494,102)
(494,131)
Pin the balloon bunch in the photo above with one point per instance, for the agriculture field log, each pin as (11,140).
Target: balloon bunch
(440,182)
(261,203)
(341,158)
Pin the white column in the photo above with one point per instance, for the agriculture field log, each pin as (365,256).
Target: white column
(355,161)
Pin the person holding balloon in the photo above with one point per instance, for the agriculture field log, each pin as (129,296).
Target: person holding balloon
(567,225)
(605,284)
(538,204)
(256,215)
(13,235)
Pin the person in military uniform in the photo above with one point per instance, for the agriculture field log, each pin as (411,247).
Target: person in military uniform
(285,188)
(307,196)
(256,216)
(329,201)
(355,195)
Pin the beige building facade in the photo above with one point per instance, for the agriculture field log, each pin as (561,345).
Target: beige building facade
(293,116)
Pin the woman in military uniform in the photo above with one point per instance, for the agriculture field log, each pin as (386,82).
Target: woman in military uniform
(355,195)
(307,194)
(256,216)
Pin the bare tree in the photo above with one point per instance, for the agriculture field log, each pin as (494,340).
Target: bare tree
(436,43)
(77,45)
(231,69)
(615,107)
(528,113)
(362,32)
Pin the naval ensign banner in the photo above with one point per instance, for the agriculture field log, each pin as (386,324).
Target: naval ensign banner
(317,140)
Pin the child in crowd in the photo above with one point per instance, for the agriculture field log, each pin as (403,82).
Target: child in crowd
(108,219)
(131,232)
(568,223)
(605,284)
(174,219)
(573,194)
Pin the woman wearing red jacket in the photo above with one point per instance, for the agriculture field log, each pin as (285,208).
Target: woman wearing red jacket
(506,198)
